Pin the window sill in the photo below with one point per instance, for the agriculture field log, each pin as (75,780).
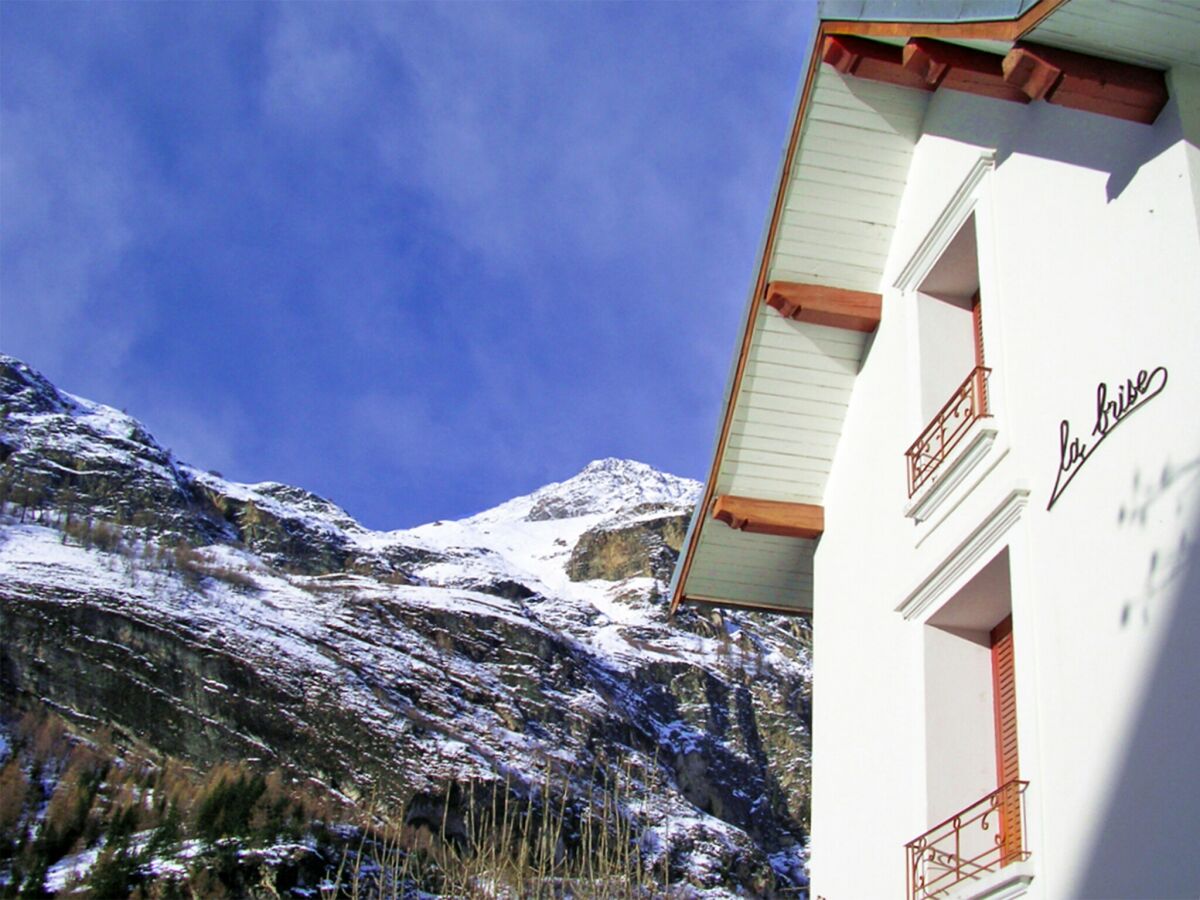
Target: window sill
(1009,883)
(977,448)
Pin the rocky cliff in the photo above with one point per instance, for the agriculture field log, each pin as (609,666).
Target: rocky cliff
(214,620)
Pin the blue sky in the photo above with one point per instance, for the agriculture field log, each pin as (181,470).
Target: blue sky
(416,258)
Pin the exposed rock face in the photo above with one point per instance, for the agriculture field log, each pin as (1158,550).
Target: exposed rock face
(90,460)
(647,547)
(528,639)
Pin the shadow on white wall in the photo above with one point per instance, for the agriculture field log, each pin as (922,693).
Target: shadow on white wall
(1148,844)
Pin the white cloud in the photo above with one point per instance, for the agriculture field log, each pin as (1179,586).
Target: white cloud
(532,131)
(314,77)
(509,230)
(69,184)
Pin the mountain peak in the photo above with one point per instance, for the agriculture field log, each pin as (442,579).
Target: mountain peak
(50,419)
(603,487)
(606,486)
(613,466)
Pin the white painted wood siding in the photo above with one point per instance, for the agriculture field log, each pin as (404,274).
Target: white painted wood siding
(840,207)
(844,189)
(790,409)
(745,568)
(1158,33)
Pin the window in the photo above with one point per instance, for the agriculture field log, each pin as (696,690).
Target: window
(950,321)
(953,377)
(973,787)
(961,696)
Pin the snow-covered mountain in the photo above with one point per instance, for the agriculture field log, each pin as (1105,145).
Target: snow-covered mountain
(217,620)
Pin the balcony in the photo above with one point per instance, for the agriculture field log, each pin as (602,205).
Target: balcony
(981,839)
(937,442)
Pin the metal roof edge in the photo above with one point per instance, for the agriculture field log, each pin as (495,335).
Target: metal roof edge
(923,11)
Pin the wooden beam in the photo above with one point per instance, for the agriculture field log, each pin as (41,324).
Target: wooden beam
(1089,83)
(1028,72)
(782,519)
(824,305)
(874,60)
(960,69)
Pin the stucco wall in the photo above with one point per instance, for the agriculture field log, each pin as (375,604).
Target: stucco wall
(1089,260)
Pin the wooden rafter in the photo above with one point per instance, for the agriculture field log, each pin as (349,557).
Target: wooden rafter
(873,60)
(1080,81)
(1028,72)
(820,304)
(777,517)
(956,68)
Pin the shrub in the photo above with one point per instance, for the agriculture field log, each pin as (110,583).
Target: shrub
(106,537)
(193,565)
(114,872)
(225,808)
(14,793)
(489,840)
(233,577)
(168,833)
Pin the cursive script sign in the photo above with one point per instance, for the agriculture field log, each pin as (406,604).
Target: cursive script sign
(1111,411)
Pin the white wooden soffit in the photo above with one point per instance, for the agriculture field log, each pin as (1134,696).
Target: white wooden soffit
(823,263)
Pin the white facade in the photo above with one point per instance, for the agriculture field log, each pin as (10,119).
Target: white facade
(1078,289)
(1081,234)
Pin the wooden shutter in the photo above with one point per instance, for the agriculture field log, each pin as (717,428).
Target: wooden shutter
(977,328)
(1004,693)
(977,322)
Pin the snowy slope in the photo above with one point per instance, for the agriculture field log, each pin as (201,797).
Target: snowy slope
(530,538)
(400,661)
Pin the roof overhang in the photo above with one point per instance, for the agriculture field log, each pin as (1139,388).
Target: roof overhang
(815,301)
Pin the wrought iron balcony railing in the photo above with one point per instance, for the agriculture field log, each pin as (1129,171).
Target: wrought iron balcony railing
(968,403)
(986,836)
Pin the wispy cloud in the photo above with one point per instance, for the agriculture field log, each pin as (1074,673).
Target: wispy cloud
(354,245)
(69,187)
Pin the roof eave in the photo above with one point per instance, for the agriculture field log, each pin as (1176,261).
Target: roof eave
(1007,29)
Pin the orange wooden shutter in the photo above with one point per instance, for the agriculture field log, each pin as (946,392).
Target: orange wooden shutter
(1004,692)
(977,321)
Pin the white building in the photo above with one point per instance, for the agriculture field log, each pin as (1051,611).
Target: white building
(963,430)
